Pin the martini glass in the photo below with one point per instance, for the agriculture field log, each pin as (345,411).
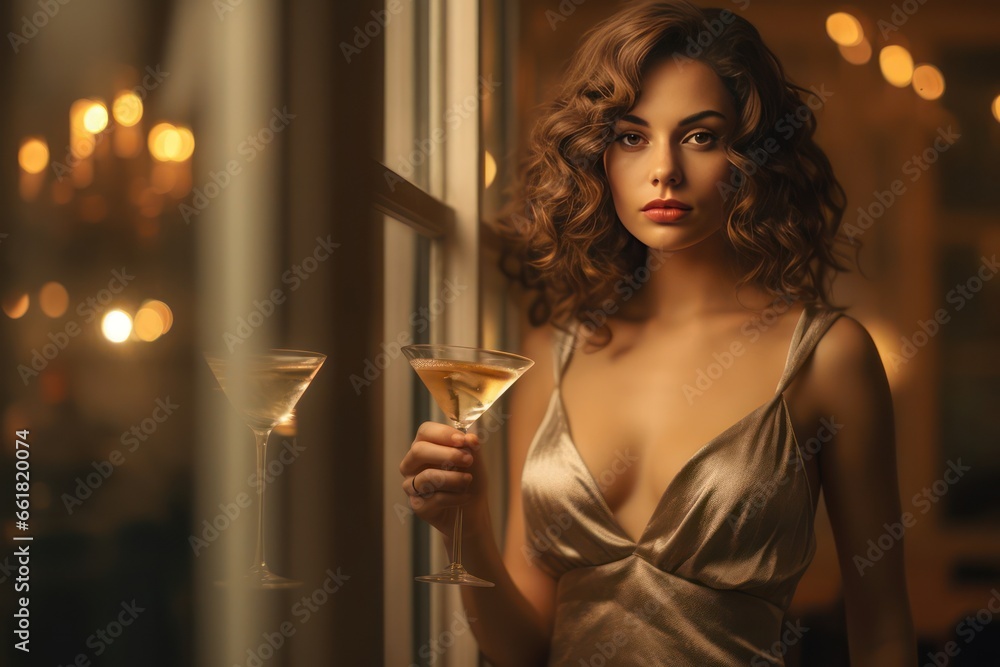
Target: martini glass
(464,382)
(264,389)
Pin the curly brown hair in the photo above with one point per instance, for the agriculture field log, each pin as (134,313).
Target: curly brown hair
(783,203)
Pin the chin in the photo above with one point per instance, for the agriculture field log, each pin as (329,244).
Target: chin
(674,238)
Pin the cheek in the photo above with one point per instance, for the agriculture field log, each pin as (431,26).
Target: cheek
(714,173)
(724,171)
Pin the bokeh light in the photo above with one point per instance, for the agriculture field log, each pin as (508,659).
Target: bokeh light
(490,168)
(186,148)
(77,111)
(116,326)
(16,305)
(53,299)
(95,118)
(897,65)
(996,108)
(844,29)
(127,108)
(81,140)
(928,82)
(161,309)
(33,155)
(858,54)
(164,142)
(148,324)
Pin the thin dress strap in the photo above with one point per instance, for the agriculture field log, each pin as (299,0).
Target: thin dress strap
(810,329)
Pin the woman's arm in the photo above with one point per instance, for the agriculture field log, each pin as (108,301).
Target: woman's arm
(512,621)
(847,383)
(514,618)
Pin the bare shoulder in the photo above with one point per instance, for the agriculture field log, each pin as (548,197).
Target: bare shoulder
(531,396)
(857,468)
(531,393)
(537,341)
(845,375)
(846,339)
(538,344)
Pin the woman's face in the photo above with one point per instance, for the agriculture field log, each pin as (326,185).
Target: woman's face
(668,159)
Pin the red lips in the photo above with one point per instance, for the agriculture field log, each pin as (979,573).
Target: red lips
(665,211)
(666,203)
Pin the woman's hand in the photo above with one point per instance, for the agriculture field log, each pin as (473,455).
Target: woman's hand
(442,472)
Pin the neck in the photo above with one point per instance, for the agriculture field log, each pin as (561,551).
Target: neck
(697,281)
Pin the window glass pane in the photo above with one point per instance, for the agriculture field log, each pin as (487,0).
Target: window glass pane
(412,85)
(407,320)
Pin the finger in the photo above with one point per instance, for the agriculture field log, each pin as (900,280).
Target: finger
(441,434)
(472,442)
(423,455)
(431,481)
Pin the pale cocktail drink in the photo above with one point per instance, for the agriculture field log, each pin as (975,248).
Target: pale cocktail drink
(264,389)
(464,382)
(463,390)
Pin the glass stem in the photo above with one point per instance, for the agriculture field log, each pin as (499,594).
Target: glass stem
(456,539)
(261,437)
(456,535)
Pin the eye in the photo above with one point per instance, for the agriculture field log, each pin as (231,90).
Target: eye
(702,138)
(627,139)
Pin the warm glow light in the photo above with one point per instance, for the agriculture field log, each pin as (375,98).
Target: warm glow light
(82,146)
(844,29)
(897,65)
(53,299)
(287,425)
(161,309)
(490,166)
(127,108)
(95,118)
(928,82)
(996,108)
(116,326)
(163,178)
(164,142)
(858,54)
(148,324)
(81,140)
(15,305)
(33,156)
(127,141)
(76,113)
(186,148)
(83,171)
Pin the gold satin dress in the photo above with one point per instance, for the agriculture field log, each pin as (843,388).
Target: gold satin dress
(714,570)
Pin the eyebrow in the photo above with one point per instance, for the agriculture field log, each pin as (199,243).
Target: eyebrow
(693,118)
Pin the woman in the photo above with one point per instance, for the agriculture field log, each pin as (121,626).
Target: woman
(679,234)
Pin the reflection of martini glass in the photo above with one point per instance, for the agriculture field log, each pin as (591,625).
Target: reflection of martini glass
(464,382)
(264,389)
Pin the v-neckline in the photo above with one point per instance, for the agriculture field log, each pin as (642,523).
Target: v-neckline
(797,335)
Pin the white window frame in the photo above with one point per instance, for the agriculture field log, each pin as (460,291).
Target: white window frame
(449,214)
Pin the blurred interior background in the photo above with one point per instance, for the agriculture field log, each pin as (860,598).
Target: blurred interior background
(184,176)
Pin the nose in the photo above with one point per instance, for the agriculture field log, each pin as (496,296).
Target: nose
(666,168)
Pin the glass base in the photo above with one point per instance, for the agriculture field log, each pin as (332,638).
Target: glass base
(455,574)
(261,577)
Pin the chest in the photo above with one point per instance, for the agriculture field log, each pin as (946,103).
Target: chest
(638,412)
